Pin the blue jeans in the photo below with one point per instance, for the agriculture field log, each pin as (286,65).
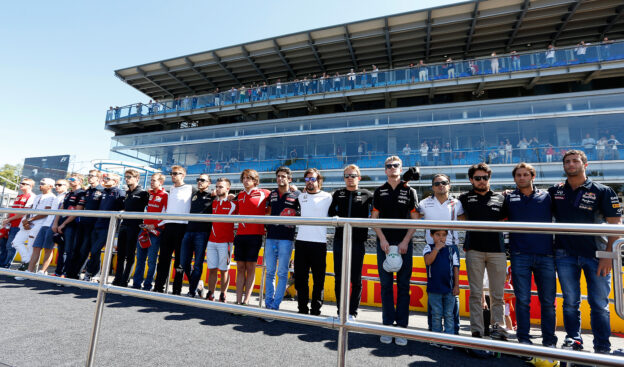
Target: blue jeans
(7,252)
(193,243)
(542,267)
(442,306)
(151,254)
(277,255)
(598,288)
(64,258)
(400,314)
(98,241)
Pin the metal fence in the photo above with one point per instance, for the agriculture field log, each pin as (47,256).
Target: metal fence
(342,323)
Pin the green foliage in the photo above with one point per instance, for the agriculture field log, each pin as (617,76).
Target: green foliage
(11,173)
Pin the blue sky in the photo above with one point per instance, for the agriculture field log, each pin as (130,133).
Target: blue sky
(57,58)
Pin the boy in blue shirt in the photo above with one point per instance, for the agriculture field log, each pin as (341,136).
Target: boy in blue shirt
(442,280)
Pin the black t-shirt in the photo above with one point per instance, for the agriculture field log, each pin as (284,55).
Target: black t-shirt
(396,203)
(71,200)
(352,204)
(488,207)
(136,201)
(284,205)
(91,201)
(201,203)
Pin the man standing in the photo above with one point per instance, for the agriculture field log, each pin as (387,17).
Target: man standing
(136,201)
(532,254)
(219,251)
(441,206)
(395,200)
(351,202)
(112,200)
(157,203)
(279,240)
(68,226)
(24,200)
(581,200)
(248,240)
(196,236)
(311,244)
(485,250)
(178,202)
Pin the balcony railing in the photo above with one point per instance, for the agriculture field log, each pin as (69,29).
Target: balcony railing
(449,70)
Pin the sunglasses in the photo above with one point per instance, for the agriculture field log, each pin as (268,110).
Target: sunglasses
(479,178)
(128,177)
(176,173)
(106,179)
(72,179)
(42,184)
(438,183)
(220,187)
(351,175)
(92,176)
(202,180)
(58,185)
(310,179)
(393,165)
(24,184)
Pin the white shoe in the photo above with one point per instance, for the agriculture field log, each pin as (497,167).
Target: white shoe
(351,318)
(41,272)
(200,289)
(22,278)
(385,339)
(400,341)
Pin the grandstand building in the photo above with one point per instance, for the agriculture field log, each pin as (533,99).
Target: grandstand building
(489,89)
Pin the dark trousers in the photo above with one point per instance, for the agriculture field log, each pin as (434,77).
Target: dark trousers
(358,250)
(398,313)
(126,249)
(170,243)
(310,256)
(98,241)
(193,245)
(65,254)
(83,247)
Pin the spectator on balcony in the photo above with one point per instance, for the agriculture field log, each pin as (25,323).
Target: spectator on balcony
(435,152)
(423,72)
(337,81)
(515,61)
(117,112)
(447,152)
(278,88)
(450,68)
(217,97)
(535,145)
(508,151)
(218,167)
(351,78)
(424,152)
(550,151)
(407,150)
(550,55)
(412,73)
(306,85)
(601,148)
(110,113)
(374,76)
(613,147)
(588,144)
(242,94)
(581,50)
(264,91)
(321,83)
(606,48)
(474,68)
(361,149)
(494,63)
(501,152)
(293,154)
(523,146)
(233,93)
(364,79)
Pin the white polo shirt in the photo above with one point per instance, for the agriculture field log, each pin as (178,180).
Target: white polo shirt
(56,204)
(432,209)
(314,205)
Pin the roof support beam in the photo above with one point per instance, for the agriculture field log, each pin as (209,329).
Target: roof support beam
(517,24)
(480,88)
(253,63)
(176,78)
(388,46)
(350,46)
(428,38)
(591,76)
(532,82)
(611,21)
(192,66)
(315,52)
(278,50)
(154,83)
(431,92)
(220,64)
(475,14)
(564,20)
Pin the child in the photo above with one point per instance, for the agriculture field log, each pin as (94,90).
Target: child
(442,280)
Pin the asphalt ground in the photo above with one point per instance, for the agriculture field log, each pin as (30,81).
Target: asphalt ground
(42,324)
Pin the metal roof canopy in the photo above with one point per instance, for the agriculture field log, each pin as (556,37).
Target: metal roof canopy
(466,29)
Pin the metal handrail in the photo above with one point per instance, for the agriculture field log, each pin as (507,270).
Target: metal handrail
(342,323)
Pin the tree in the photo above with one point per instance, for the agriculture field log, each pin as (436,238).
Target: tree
(12,173)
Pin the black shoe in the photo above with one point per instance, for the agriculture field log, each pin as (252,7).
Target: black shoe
(23,267)
(570,343)
(476,334)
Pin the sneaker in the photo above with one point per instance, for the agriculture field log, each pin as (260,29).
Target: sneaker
(200,289)
(476,334)
(222,297)
(210,296)
(499,332)
(23,267)
(190,295)
(570,343)
(41,272)
(351,318)
(22,278)
(400,341)
(87,277)
(385,339)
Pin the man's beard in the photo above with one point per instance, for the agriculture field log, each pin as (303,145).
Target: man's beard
(478,189)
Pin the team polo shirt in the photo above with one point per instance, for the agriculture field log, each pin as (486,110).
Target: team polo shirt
(21,201)
(589,203)
(533,208)
(251,203)
(112,200)
(222,232)
(352,204)
(314,205)
(431,209)
(91,201)
(488,207)
(71,200)
(396,203)
(440,278)
(136,201)
(157,203)
(201,203)
(282,205)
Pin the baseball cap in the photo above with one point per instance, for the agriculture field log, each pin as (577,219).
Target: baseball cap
(393,260)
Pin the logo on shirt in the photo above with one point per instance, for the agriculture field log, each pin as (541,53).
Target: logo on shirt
(589,195)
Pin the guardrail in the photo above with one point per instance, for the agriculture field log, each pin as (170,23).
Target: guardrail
(342,323)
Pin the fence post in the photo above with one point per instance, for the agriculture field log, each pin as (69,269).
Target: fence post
(344,295)
(101,295)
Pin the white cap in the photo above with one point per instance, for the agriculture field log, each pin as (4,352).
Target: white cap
(393,261)
(47,181)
